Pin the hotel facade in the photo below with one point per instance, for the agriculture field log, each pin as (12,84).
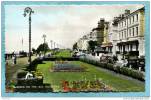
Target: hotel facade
(124,35)
(131,28)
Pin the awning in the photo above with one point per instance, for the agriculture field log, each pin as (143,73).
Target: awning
(128,42)
(107,44)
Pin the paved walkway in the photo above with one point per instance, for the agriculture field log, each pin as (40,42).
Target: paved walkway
(12,70)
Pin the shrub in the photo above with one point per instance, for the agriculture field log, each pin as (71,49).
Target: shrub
(34,64)
(132,73)
(22,74)
(110,66)
(116,69)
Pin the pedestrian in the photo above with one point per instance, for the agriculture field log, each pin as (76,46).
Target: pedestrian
(15,59)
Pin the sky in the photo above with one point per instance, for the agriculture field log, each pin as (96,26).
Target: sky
(64,24)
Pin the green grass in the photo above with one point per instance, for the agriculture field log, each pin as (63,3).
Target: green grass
(115,81)
(63,53)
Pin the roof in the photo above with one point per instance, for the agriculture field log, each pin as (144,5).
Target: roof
(141,9)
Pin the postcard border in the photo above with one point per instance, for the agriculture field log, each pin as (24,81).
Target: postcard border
(100,94)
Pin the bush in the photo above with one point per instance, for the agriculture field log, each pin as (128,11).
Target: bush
(34,64)
(138,75)
(30,82)
(110,66)
(117,69)
(21,74)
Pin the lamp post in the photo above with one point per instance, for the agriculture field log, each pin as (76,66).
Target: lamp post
(54,45)
(44,36)
(29,11)
(51,44)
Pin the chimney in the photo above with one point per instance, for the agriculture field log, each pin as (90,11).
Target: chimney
(122,15)
(101,22)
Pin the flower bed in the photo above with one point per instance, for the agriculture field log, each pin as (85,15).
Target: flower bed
(65,66)
(85,86)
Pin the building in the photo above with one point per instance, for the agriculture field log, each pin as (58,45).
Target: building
(100,31)
(82,43)
(79,44)
(113,35)
(93,35)
(107,44)
(122,36)
(131,34)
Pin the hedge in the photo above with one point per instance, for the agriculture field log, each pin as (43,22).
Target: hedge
(34,64)
(122,70)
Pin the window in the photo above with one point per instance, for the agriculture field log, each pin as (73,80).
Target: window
(133,18)
(122,35)
(131,47)
(119,35)
(137,17)
(130,20)
(125,34)
(133,31)
(129,32)
(137,31)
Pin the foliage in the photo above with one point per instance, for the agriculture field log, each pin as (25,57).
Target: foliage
(75,46)
(92,45)
(84,86)
(43,48)
(23,54)
(33,50)
(21,74)
(34,64)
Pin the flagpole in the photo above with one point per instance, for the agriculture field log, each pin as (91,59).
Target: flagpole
(22,44)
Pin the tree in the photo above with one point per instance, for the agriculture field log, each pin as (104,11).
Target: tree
(23,54)
(75,46)
(92,45)
(33,50)
(43,47)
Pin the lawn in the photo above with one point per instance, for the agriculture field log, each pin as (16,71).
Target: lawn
(115,81)
(63,53)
